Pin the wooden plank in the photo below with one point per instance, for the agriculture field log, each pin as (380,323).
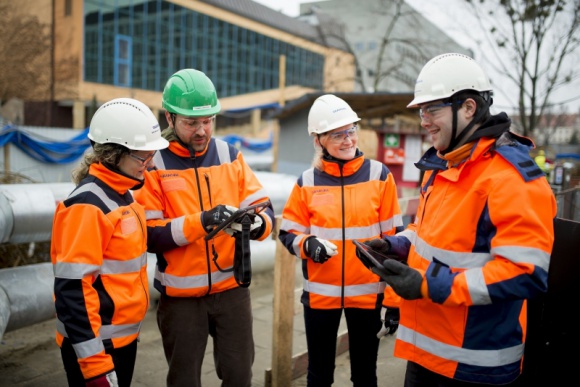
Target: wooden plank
(283,309)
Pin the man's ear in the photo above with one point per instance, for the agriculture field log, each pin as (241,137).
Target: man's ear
(470,107)
(168,119)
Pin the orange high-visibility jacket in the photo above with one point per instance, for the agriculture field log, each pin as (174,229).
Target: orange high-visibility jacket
(175,194)
(346,201)
(483,236)
(98,250)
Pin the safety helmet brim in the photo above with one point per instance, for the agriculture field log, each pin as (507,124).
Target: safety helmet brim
(190,93)
(329,112)
(127,122)
(447,74)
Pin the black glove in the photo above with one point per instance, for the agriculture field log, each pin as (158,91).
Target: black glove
(379,245)
(390,319)
(107,380)
(405,281)
(218,214)
(320,250)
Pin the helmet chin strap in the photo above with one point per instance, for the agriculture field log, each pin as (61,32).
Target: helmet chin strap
(457,138)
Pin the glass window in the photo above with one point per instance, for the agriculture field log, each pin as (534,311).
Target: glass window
(141,43)
(123,57)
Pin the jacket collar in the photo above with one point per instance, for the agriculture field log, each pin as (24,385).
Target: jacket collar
(115,179)
(489,131)
(333,166)
(182,151)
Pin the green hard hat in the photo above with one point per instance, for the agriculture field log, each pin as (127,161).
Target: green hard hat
(190,93)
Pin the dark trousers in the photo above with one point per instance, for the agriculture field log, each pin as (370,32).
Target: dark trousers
(123,359)
(419,376)
(321,333)
(186,323)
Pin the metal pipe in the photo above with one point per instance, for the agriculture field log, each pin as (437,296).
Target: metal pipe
(27,210)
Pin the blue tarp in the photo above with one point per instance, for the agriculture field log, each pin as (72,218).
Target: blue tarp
(253,144)
(47,150)
(44,149)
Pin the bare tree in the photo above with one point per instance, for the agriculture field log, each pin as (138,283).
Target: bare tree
(399,53)
(25,53)
(535,45)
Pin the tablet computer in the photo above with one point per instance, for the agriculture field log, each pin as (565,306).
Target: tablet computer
(237,216)
(366,257)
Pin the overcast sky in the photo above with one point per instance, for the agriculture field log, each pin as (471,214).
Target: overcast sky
(451,17)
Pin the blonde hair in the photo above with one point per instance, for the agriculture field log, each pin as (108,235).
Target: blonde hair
(104,153)
(317,159)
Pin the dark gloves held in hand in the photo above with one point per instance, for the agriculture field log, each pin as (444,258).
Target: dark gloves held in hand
(107,380)
(390,319)
(320,250)
(218,214)
(405,281)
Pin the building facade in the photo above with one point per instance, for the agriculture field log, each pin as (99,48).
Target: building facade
(389,40)
(103,49)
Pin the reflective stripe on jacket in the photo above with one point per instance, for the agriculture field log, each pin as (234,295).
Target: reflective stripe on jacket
(175,194)
(98,251)
(490,220)
(348,200)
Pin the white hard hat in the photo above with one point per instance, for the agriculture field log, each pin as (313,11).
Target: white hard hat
(329,112)
(446,75)
(127,122)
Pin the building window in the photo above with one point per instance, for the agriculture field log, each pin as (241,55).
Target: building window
(123,57)
(139,44)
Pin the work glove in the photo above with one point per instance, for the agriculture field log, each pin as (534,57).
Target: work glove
(256,229)
(107,380)
(379,249)
(215,216)
(405,281)
(320,250)
(390,319)
(379,245)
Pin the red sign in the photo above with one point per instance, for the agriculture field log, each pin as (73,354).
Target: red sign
(394,156)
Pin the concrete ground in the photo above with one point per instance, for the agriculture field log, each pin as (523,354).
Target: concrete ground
(29,357)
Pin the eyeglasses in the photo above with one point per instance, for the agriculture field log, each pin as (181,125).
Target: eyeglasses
(342,135)
(145,160)
(433,109)
(194,124)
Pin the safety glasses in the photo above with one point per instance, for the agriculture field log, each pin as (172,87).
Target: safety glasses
(145,160)
(340,136)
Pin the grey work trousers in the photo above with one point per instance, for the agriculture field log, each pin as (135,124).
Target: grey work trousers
(185,324)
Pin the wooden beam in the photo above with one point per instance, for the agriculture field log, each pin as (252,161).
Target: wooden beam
(283,321)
